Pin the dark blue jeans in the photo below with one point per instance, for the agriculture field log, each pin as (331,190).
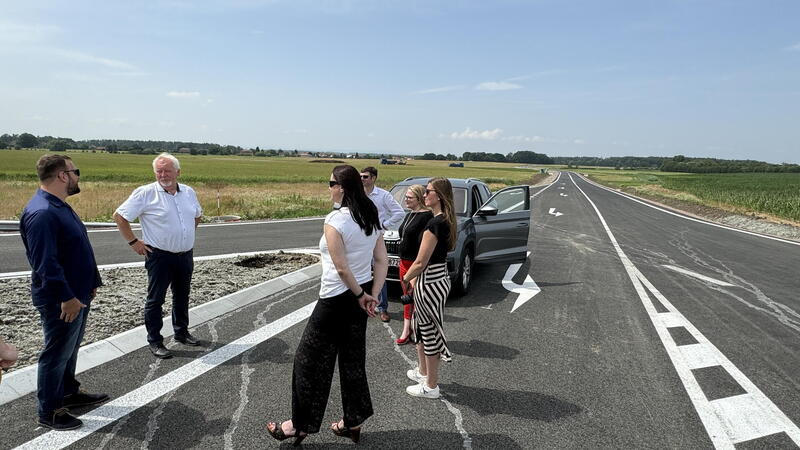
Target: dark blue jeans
(383,299)
(165,269)
(56,371)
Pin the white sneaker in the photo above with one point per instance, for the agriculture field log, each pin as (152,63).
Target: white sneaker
(414,375)
(420,390)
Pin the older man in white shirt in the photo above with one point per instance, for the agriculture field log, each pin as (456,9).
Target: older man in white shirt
(390,214)
(168,213)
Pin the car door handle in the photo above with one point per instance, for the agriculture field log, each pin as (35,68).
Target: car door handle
(522,225)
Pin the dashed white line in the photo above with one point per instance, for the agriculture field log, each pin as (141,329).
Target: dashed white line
(728,421)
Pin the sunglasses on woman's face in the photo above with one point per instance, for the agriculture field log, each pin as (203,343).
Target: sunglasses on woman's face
(333,183)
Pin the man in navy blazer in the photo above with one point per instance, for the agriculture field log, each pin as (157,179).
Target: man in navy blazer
(64,281)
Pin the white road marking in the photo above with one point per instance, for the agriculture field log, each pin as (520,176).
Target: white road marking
(459,419)
(697,275)
(728,421)
(527,290)
(563,194)
(785,241)
(130,402)
(554,212)
(546,187)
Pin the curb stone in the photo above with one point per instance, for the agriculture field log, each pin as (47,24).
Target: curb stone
(22,382)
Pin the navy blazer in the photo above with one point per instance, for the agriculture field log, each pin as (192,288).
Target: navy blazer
(58,250)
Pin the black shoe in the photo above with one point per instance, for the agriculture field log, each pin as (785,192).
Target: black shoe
(159,351)
(83,398)
(187,339)
(61,420)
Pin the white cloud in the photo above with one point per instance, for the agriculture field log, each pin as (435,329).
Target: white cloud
(16,33)
(87,58)
(469,133)
(441,89)
(183,94)
(794,48)
(497,86)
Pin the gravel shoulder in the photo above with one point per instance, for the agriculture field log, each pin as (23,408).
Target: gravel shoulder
(120,301)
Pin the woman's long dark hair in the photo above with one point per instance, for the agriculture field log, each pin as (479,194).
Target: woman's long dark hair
(361,207)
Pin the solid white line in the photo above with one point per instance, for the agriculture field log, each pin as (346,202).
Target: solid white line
(130,402)
(545,188)
(697,275)
(724,425)
(630,197)
(136,226)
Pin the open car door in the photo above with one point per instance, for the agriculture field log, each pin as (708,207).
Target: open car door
(502,225)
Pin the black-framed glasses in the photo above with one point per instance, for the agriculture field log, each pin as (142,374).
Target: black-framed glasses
(332,183)
(77,172)
(365,177)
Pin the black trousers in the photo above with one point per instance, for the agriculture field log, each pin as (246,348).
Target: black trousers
(165,269)
(336,330)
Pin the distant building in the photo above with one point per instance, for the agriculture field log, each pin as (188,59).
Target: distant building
(245,153)
(184,150)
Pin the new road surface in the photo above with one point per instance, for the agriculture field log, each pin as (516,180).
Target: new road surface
(632,327)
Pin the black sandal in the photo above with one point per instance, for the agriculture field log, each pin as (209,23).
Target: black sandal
(278,434)
(353,433)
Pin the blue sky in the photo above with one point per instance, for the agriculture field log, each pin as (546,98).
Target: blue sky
(614,78)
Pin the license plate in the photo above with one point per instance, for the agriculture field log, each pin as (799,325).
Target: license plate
(394,261)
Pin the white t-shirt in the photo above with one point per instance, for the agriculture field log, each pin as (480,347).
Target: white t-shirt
(358,247)
(167,220)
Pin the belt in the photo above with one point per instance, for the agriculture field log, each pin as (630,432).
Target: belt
(171,253)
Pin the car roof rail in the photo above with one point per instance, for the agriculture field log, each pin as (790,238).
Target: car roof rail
(414,178)
(474,179)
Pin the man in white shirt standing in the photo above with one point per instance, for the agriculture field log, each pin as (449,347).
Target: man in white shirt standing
(390,214)
(168,213)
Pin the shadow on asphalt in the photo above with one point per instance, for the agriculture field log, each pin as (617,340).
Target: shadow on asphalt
(408,439)
(482,349)
(187,426)
(521,404)
(274,350)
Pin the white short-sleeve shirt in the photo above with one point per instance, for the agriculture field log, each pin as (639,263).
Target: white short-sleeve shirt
(358,247)
(167,220)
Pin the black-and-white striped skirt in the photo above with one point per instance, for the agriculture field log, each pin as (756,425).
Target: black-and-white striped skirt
(430,294)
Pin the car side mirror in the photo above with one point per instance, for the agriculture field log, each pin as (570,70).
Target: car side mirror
(487,211)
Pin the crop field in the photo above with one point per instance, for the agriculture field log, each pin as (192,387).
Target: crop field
(775,194)
(250,187)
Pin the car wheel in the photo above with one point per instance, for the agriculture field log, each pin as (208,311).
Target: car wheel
(464,278)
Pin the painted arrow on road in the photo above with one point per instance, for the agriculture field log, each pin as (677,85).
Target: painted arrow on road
(553,212)
(563,194)
(526,290)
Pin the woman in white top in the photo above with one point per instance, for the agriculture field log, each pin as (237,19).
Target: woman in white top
(351,247)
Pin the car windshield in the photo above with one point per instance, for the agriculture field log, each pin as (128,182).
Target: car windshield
(459,197)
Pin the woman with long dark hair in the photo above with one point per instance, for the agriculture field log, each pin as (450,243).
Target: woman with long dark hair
(410,237)
(432,288)
(351,247)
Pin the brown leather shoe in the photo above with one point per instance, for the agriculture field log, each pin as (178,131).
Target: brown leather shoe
(385,316)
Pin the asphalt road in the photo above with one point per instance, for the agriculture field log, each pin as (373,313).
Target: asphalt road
(211,239)
(618,350)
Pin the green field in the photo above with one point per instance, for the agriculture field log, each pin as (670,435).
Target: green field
(20,165)
(776,194)
(249,187)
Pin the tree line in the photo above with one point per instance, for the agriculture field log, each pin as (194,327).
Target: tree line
(677,163)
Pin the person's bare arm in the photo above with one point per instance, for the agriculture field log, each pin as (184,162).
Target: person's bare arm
(125,230)
(339,257)
(426,248)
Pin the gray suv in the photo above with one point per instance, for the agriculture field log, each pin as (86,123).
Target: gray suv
(491,227)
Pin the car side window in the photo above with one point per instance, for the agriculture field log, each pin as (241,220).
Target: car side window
(476,201)
(509,201)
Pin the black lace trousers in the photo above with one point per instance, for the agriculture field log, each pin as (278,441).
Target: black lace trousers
(337,329)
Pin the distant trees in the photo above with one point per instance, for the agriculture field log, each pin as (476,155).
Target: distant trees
(27,140)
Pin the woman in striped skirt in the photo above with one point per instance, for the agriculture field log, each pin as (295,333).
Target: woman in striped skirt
(431,288)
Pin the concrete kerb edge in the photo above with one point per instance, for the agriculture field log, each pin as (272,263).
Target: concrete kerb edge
(22,382)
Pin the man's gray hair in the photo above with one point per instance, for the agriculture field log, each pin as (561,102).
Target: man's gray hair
(175,163)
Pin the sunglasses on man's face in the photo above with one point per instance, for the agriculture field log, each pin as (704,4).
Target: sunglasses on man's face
(365,177)
(77,172)
(333,183)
